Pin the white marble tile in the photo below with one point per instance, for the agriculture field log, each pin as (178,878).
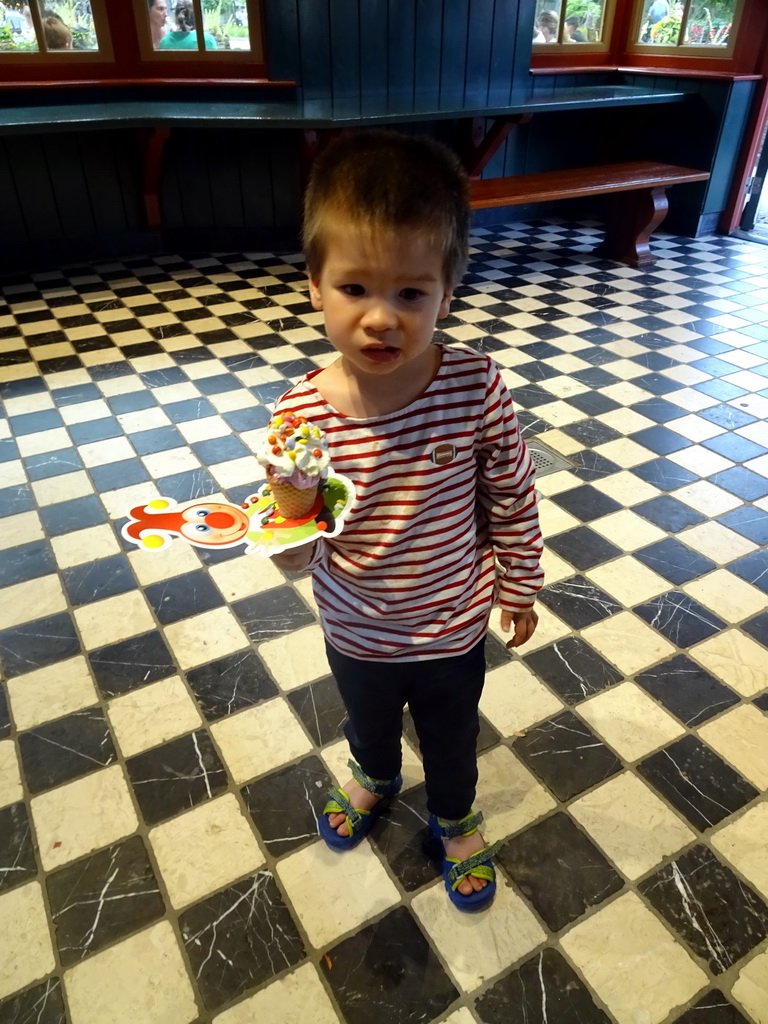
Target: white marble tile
(20,529)
(84,545)
(508,795)
(102,453)
(296,997)
(744,843)
(728,596)
(235,472)
(717,542)
(144,419)
(741,737)
(555,568)
(631,824)
(167,463)
(152,715)
(624,452)
(736,660)
(43,441)
(141,979)
(628,580)
(513,699)
(699,460)
(242,577)
(116,618)
(337,755)
(553,519)
(629,721)
(205,849)
(477,947)
(26,954)
(260,739)
(206,637)
(627,642)
(333,893)
(608,947)
(83,816)
(61,488)
(625,488)
(51,692)
(628,530)
(119,502)
(10,780)
(695,428)
(707,498)
(153,566)
(751,988)
(297,658)
(33,599)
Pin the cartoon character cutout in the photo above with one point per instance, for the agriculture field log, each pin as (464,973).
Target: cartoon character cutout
(206,524)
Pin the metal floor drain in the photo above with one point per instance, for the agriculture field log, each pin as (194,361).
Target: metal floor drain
(545,460)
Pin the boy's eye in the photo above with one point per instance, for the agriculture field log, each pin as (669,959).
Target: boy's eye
(354,290)
(411,294)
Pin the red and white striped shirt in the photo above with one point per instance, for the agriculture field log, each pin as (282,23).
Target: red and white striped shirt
(445,488)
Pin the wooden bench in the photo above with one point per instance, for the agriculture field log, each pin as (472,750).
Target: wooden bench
(632,220)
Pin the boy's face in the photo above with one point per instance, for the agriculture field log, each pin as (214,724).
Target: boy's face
(381,298)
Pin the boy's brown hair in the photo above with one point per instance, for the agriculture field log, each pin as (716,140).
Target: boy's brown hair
(384,180)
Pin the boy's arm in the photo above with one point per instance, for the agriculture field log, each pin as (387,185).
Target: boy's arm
(507,495)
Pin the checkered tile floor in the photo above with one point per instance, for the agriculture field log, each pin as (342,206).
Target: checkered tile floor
(168,722)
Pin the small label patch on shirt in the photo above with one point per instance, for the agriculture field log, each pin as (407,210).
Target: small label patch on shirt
(443,454)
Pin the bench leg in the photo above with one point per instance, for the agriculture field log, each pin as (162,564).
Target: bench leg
(633,220)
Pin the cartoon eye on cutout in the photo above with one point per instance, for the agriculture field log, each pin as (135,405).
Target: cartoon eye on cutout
(201,513)
(202,528)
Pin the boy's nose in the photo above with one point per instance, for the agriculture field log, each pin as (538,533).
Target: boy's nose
(379,317)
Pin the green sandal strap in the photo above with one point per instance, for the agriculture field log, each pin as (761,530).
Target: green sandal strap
(378,787)
(475,865)
(463,827)
(339,803)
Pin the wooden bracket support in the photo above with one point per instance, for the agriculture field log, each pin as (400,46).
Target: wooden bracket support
(152,141)
(483,144)
(633,219)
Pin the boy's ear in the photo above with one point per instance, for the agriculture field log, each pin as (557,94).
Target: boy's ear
(445,304)
(314,293)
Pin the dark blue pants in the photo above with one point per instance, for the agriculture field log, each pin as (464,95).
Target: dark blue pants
(442,695)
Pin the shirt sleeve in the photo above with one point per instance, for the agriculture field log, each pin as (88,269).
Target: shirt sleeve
(508,499)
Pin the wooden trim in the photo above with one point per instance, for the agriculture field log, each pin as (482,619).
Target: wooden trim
(734,207)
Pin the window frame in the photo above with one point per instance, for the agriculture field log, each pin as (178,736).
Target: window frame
(560,49)
(712,53)
(126,55)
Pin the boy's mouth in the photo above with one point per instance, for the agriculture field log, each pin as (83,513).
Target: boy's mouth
(381,353)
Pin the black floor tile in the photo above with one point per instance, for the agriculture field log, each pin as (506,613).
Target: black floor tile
(102,898)
(66,749)
(583,548)
(182,596)
(748,521)
(544,990)
(753,568)
(321,710)
(697,782)
(557,868)
(566,755)
(734,447)
(687,690)
(679,618)
(716,914)
(285,804)
(742,482)
(230,684)
(573,669)
(36,644)
(758,628)
(41,1004)
(26,562)
(674,561)
(664,474)
(272,614)
(17,850)
(95,581)
(396,980)
(403,838)
(119,474)
(578,602)
(669,514)
(713,1008)
(239,938)
(586,503)
(660,439)
(67,516)
(589,465)
(496,653)
(176,776)
(129,664)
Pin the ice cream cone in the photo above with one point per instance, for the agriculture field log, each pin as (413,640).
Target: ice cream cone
(292,502)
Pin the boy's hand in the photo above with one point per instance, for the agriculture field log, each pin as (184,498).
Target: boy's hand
(525,626)
(296,559)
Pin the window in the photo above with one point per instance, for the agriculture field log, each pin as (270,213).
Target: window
(687,23)
(199,25)
(48,26)
(575,21)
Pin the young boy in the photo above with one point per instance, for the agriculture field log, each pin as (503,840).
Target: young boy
(444,522)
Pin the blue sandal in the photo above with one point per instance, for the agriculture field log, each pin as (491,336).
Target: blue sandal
(359,822)
(479,864)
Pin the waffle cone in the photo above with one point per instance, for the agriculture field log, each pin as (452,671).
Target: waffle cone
(292,502)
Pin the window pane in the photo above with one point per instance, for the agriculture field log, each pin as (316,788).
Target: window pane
(67,24)
(547,24)
(660,24)
(710,24)
(583,21)
(227,22)
(179,31)
(16,29)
